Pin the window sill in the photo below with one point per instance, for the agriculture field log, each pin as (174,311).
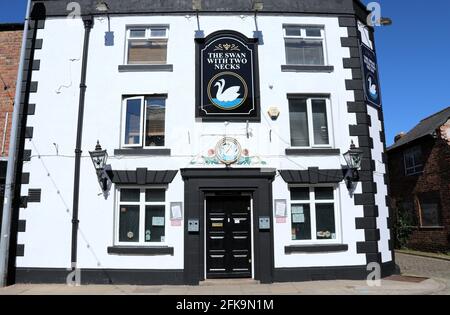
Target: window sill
(431,228)
(145,251)
(301,249)
(317,151)
(140,152)
(145,68)
(307,68)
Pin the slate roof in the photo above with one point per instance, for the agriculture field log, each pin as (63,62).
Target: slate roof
(426,127)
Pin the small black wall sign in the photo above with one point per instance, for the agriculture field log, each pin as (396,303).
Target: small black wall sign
(227,77)
(371,79)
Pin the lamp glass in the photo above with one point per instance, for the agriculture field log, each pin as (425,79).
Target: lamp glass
(99,158)
(353,158)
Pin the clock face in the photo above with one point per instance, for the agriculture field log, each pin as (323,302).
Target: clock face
(228,151)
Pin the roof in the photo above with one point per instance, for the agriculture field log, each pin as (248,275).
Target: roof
(59,7)
(11,27)
(426,127)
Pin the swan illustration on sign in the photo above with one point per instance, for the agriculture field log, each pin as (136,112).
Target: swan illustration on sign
(227,90)
(372,88)
(229,95)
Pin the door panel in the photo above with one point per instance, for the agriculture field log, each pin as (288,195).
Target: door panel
(228,237)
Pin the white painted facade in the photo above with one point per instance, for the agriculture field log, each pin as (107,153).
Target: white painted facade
(48,234)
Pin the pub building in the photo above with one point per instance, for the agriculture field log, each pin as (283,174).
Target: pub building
(213,139)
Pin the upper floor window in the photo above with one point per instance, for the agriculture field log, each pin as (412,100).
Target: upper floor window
(141,216)
(144,122)
(413,161)
(304,45)
(309,122)
(314,213)
(147,45)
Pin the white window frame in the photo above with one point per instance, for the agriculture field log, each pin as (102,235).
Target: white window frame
(312,206)
(147,37)
(142,204)
(412,151)
(306,38)
(143,122)
(309,111)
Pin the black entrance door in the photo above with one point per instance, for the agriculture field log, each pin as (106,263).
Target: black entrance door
(228,237)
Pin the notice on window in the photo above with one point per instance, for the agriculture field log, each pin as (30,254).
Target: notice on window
(158,221)
(298,218)
(297,210)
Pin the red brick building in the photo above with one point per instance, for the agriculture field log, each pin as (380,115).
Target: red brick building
(419,171)
(10,44)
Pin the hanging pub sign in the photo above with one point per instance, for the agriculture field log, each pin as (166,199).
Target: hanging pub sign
(370,73)
(227,78)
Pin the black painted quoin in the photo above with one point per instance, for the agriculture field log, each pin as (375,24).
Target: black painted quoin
(227,77)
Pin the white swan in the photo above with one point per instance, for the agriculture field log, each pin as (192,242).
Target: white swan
(231,94)
(373,87)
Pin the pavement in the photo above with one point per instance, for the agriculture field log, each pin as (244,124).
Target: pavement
(420,276)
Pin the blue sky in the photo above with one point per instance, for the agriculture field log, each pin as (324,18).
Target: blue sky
(413,56)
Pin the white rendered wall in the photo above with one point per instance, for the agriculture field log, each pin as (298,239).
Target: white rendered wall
(48,236)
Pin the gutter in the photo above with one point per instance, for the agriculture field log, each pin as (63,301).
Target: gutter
(88,24)
(10,174)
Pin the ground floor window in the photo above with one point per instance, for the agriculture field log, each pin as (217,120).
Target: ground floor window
(429,206)
(141,216)
(314,213)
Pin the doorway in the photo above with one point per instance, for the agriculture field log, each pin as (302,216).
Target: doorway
(228,237)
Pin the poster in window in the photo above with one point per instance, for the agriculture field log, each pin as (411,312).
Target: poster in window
(227,77)
(370,76)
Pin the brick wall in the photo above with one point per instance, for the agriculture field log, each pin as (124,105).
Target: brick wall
(10,44)
(436,177)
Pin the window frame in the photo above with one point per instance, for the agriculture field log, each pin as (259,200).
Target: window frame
(148,37)
(304,37)
(411,151)
(124,121)
(143,122)
(142,211)
(312,206)
(309,111)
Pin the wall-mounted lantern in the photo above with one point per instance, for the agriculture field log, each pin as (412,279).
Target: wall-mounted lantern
(353,158)
(273,113)
(99,158)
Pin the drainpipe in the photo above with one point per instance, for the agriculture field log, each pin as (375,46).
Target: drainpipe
(88,24)
(10,176)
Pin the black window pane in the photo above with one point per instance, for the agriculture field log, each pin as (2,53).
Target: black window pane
(325,221)
(155,223)
(301,222)
(155,195)
(155,119)
(137,33)
(298,117)
(430,214)
(130,195)
(313,32)
(304,52)
(320,122)
(300,193)
(293,31)
(324,193)
(129,224)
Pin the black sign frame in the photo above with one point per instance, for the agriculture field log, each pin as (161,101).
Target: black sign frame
(252,95)
(368,52)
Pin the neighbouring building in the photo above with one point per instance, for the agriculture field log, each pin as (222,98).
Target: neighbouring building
(10,44)
(225,123)
(419,171)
